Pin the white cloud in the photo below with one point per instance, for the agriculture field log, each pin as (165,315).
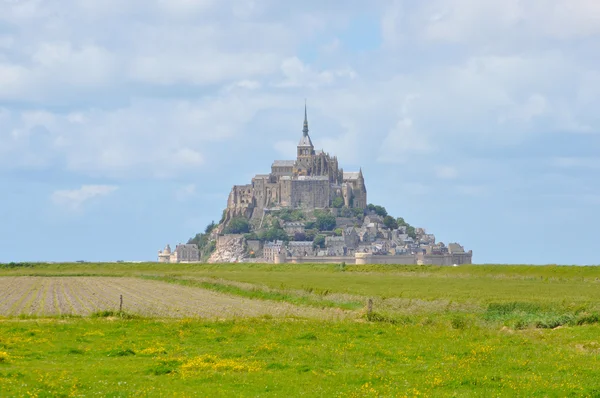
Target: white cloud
(498,21)
(75,199)
(471,190)
(185,192)
(403,142)
(446,172)
(297,74)
(151,138)
(188,157)
(244,84)
(286,149)
(183,8)
(149,96)
(346,145)
(168,69)
(332,47)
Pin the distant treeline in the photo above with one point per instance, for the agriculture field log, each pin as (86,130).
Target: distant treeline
(17,265)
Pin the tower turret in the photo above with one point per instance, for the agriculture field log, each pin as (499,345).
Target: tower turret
(305,146)
(305,127)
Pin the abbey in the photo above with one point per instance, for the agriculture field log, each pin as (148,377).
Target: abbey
(312,181)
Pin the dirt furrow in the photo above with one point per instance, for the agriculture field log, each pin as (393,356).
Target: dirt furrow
(84,295)
(149,301)
(90,295)
(25,296)
(64,303)
(12,287)
(5,288)
(71,292)
(49,306)
(171,297)
(107,291)
(36,306)
(145,301)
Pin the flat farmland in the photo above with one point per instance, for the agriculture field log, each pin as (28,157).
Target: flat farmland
(299,330)
(83,296)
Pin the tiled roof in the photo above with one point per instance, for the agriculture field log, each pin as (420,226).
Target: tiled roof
(305,141)
(312,178)
(284,163)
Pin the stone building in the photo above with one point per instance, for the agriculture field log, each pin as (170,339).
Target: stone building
(164,256)
(188,253)
(336,246)
(273,251)
(294,227)
(301,249)
(313,181)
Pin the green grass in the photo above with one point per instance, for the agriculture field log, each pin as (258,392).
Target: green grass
(434,331)
(256,357)
(472,283)
(319,301)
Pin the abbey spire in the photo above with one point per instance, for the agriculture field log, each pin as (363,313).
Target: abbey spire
(305,129)
(305,147)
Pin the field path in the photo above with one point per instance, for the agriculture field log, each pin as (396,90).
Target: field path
(51,296)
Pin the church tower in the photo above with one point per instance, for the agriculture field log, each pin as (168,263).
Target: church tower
(360,193)
(306,150)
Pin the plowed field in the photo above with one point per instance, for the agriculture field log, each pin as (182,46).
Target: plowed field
(51,296)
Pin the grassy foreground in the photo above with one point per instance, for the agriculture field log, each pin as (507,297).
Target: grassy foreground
(435,331)
(84,357)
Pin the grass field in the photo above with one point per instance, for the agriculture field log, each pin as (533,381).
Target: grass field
(299,330)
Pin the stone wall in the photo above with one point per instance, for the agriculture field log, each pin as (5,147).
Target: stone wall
(367,258)
(310,193)
(321,260)
(445,259)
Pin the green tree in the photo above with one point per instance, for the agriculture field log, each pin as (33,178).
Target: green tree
(325,222)
(319,241)
(275,234)
(297,215)
(299,236)
(358,213)
(203,241)
(310,234)
(237,225)
(210,227)
(401,222)
(338,202)
(379,210)
(410,231)
(345,212)
(338,232)
(390,222)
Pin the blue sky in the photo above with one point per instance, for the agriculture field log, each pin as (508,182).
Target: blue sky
(124,124)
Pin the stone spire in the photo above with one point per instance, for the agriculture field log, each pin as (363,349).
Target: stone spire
(305,129)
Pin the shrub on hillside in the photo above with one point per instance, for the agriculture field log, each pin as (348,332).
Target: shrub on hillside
(325,222)
(319,241)
(237,225)
(337,203)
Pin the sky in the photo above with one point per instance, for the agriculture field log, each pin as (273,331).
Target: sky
(124,124)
